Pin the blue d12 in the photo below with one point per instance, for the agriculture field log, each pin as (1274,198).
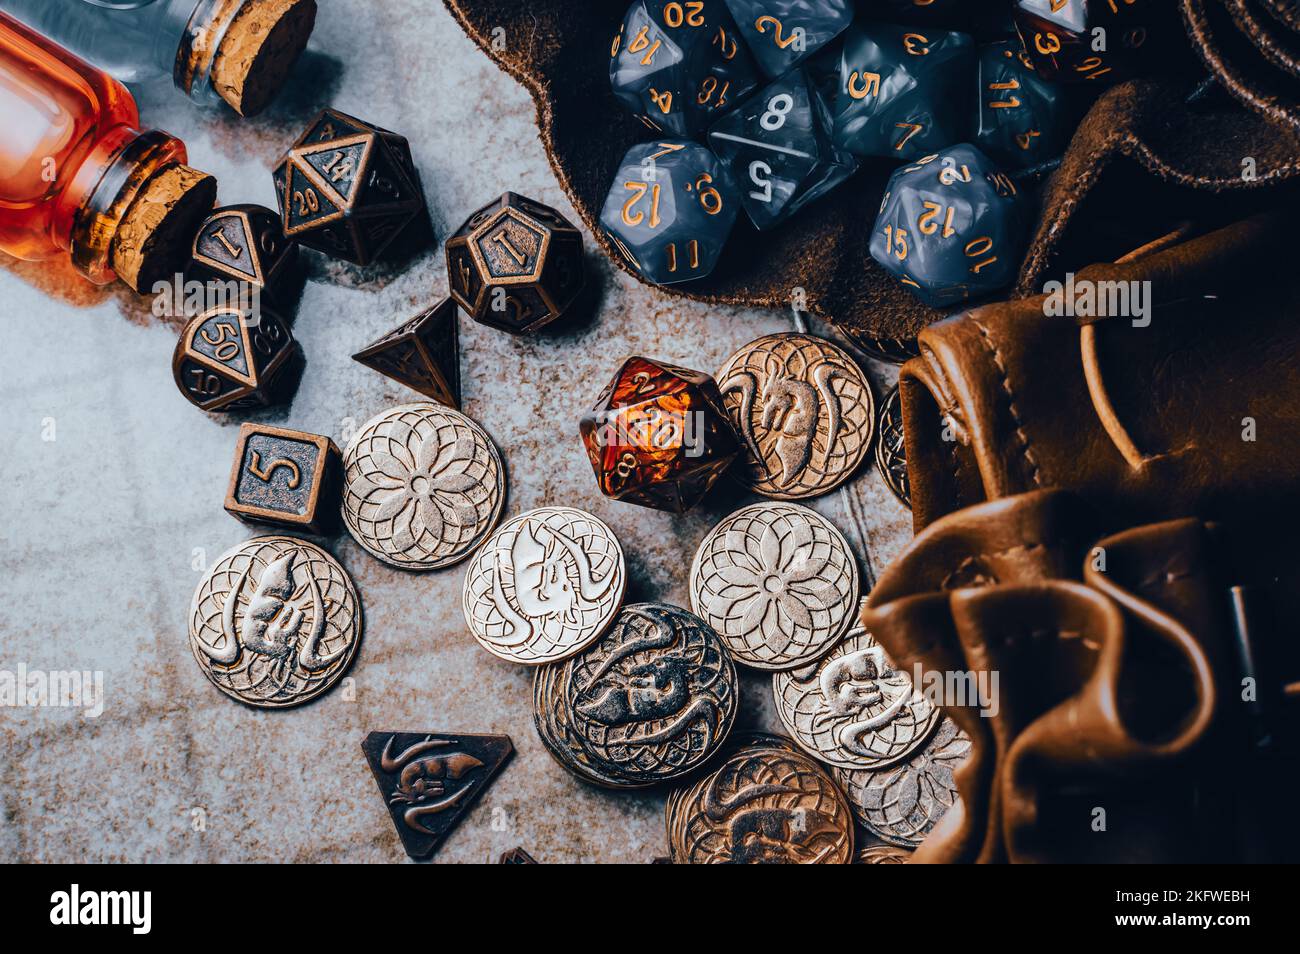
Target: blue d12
(779,151)
(1022,117)
(903,91)
(670,210)
(782,33)
(951,227)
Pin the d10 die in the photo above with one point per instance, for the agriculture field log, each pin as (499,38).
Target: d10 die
(243,243)
(670,210)
(679,65)
(903,92)
(284,477)
(515,264)
(1084,40)
(1022,118)
(659,435)
(228,357)
(782,33)
(951,227)
(779,150)
(422,353)
(347,188)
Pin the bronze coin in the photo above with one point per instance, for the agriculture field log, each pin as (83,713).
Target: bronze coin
(882,855)
(551,719)
(891,454)
(889,350)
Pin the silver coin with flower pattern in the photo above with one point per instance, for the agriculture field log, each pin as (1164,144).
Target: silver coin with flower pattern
(423,485)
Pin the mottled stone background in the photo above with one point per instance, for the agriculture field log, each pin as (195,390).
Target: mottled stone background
(102,527)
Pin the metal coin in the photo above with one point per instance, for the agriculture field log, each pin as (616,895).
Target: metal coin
(891,454)
(544,586)
(275,622)
(853,708)
(423,485)
(805,411)
(777,582)
(551,719)
(882,855)
(889,350)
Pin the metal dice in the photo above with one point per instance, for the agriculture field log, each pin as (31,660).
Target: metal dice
(951,227)
(680,65)
(347,188)
(779,150)
(670,210)
(903,92)
(1084,40)
(658,435)
(243,243)
(422,353)
(227,358)
(782,33)
(1022,118)
(283,476)
(515,264)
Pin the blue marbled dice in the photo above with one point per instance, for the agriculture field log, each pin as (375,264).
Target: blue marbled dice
(1023,118)
(783,33)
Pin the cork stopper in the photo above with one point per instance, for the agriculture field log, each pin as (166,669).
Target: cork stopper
(258,51)
(152,242)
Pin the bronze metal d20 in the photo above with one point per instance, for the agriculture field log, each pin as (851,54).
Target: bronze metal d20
(429,780)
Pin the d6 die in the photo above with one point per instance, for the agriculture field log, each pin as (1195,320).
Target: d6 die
(347,188)
(782,33)
(951,227)
(284,477)
(679,65)
(903,92)
(1084,40)
(228,357)
(515,264)
(659,435)
(243,243)
(670,210)
(1022,117)
(422,353)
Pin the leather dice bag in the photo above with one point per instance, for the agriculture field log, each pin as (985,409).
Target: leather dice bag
(1107,519)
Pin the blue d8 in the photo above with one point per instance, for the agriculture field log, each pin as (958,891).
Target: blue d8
(951,227)
(1022,117)
(670,210)
(778,148)
(781,33)
(680,65)
(903,92)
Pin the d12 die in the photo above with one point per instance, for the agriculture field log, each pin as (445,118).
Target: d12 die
(422,353)
(228,357)
(515,264)
(951,227)
(903,92)
(243,243)
(284,477)
(782,33)
(670,210)
(347,188)
(1085,40)
(779,150)
(1022,119)
(658,435)
(679,65)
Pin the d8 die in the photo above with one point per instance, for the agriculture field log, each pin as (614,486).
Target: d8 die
(422,353)
(347,188)
(951,227)
(243,243)
(659,435)
(228,357)
(782,33)
(679,65)
(284,477)
(903,92)
(1022,118)
(670,210)
(1084,40)
(515,264)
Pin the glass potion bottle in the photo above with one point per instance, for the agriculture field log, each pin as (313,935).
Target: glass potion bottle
(236,50)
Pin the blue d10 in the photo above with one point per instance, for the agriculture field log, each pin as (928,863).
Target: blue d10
(951,227)
(670,210)
(779,151)
(782,33)
(1022,116)
(903,92)
(680,65)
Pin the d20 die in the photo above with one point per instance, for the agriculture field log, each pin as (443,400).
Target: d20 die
(779,150)
(243,243)
(782,33)
(284,477)
(515,264)
(1022,118)
(951,227)
(347,188)
(1087,40)
(659,435)
(422,353)
(227,357)
(680,65)
(670,210)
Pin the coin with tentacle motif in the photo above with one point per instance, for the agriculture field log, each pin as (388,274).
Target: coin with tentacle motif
(891,454)
(275,622)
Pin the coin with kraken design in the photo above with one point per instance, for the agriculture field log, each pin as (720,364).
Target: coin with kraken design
(275,622)
(423,485)
(544,586)
(777,582)
(852,708)
(805,411)
(891,455)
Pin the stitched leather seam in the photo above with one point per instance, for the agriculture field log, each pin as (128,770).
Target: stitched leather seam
(1011,400)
